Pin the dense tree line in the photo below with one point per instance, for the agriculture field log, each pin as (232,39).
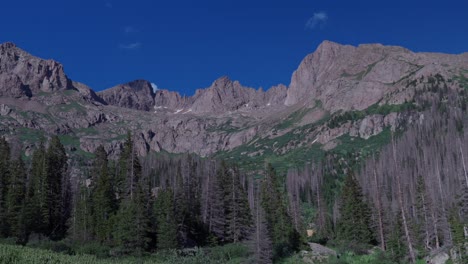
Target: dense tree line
(34,201)
(133,204)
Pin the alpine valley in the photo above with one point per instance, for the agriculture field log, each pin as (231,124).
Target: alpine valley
(366,144)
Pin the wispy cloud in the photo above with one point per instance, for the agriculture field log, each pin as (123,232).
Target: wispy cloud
(131,46)
(154,86)
(319,19)
(108,4)
(129,30)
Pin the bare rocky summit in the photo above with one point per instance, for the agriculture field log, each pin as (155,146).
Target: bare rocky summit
(38,99)
(137,95)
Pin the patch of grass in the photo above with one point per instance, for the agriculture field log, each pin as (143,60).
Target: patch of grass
(350,144)
(462,79)
(225,127)
(30,135)
(72,106)
(340,118)
(69,140)
(293,119)
(54,253)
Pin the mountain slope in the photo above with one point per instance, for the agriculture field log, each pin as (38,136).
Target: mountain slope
(337,91)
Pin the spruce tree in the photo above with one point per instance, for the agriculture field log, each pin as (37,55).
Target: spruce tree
(36,199)
(56,168)
(132,219)
(103,197)
(81,224)
(354,224)
(132,224)
(237,211)
(4,183)
(285,238)
(166,227)
(395,242)
(15,200)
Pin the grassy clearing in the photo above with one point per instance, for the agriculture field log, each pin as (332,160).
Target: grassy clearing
(229,254)
(30,135)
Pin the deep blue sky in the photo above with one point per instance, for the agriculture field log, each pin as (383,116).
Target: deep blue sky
(185,45)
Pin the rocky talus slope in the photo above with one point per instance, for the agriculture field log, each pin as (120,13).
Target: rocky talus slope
(337,91)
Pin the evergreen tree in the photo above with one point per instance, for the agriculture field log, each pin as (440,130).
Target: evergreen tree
(126,178)
(237,211)
(216,212)
(132,224)
(354,224)
(458,236)
(103,197)
(285,238)
(56,168)
(15,200)
(395,242)
(166,227)
(132,219)
(81,224)
(36,200)
(4,183)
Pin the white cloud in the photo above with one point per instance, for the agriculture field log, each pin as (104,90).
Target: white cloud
(129,30)
(154,86)
(130,46)
(318,19)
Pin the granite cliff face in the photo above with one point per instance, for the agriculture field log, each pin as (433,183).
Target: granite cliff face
(37,98)
(344,77)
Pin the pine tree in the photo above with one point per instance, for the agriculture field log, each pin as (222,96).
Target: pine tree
(132,218)
(354,224)
(4,183)
(103,197)
(460,241)
(285,238)
(237,211)
(166,227)
(395,242)
(15,200)
(56,167)
(125,179)
(81,224)
(216,212)
(36,200)
(132,224)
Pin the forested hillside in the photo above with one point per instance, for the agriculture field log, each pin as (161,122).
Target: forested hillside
(404,201)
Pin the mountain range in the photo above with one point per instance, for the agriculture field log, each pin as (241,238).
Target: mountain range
(337,91)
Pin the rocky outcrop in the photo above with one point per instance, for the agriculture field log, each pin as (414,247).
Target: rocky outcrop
(137,95)
(22,74)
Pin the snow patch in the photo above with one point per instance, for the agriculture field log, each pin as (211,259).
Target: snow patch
(178,111)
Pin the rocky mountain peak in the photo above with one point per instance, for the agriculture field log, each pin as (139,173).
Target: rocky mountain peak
(23,75)
(222,82)
(7,45)
(138,94)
